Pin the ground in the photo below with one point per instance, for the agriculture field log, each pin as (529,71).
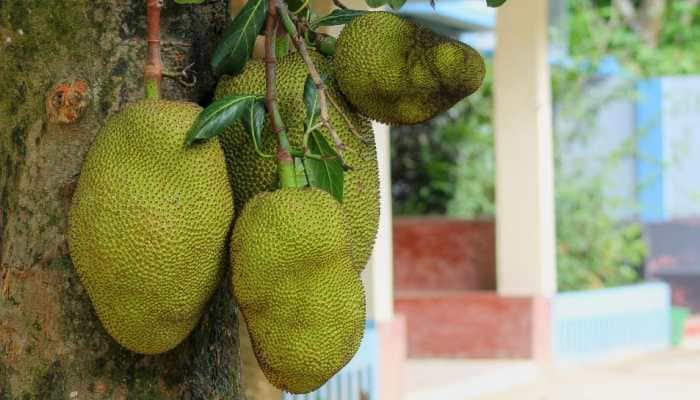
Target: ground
(665,375)
(669,375)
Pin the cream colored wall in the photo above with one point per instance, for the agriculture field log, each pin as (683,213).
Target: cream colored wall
(524,160)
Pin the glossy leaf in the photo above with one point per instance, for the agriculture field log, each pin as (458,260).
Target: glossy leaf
(376,3)
(495,3)
(297,6)
(396,4)
(311,100)
(313,106)
(281,46)
(253,120)
(337,17)
(326,174)
(300,169)
(236,47)
(218,116)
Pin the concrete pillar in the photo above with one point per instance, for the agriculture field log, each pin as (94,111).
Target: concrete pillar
(379,274)
(525,236)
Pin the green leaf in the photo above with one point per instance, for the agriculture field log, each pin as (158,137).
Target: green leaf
(218,116)
(327,46)
(297,6)
(396,4)
(300,170)
(238,41)
(189,1)
(281,46)
(253,121)
(337,17)
(311,100)
(326,174)
(495,3)
(376,3)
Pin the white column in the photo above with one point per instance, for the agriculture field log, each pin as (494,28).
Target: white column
(525,240)
(379,274)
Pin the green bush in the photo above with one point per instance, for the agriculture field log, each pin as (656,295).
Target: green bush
(445,166)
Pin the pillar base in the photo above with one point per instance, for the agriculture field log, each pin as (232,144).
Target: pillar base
(460,324)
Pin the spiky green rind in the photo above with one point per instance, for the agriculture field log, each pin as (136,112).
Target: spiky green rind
(397,72)
(253,174)
(294,281)
(148,225)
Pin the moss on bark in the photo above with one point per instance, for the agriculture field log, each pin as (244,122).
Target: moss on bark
(52,345)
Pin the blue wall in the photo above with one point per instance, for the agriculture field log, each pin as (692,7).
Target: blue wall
(660,181)
(650,150)
(594,324)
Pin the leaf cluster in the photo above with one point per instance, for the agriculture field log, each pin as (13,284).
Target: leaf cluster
(318,164)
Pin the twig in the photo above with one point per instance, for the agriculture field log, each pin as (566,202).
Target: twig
(285,162)
(182,76)
(348,121)
(315,77)
(153,70)
(339,4)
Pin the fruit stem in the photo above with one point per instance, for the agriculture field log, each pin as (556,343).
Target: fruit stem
(285,162)
(153,70)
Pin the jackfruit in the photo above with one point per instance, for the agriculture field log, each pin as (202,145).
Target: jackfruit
(397,72)
(148,225)
(295,284)
(254,174)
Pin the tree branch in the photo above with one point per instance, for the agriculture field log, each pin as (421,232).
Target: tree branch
(351,126)
(629,13)
(285,162)
(315,77)
(652,14)
(153,70)
(339,4)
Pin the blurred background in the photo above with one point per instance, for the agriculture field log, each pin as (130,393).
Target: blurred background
(541,240)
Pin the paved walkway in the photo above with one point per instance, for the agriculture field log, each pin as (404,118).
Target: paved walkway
(442,379)
(669,375)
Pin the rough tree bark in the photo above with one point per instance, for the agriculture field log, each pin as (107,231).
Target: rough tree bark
(52,346)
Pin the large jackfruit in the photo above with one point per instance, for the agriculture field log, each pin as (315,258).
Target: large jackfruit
(397,72)
(294,281)
(148,225)
(253,174)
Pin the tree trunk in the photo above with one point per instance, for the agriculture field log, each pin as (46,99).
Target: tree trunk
(65,65)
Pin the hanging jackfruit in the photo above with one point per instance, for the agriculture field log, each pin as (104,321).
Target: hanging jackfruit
(148,225)
(397,72)
(253,174)
(294,281)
